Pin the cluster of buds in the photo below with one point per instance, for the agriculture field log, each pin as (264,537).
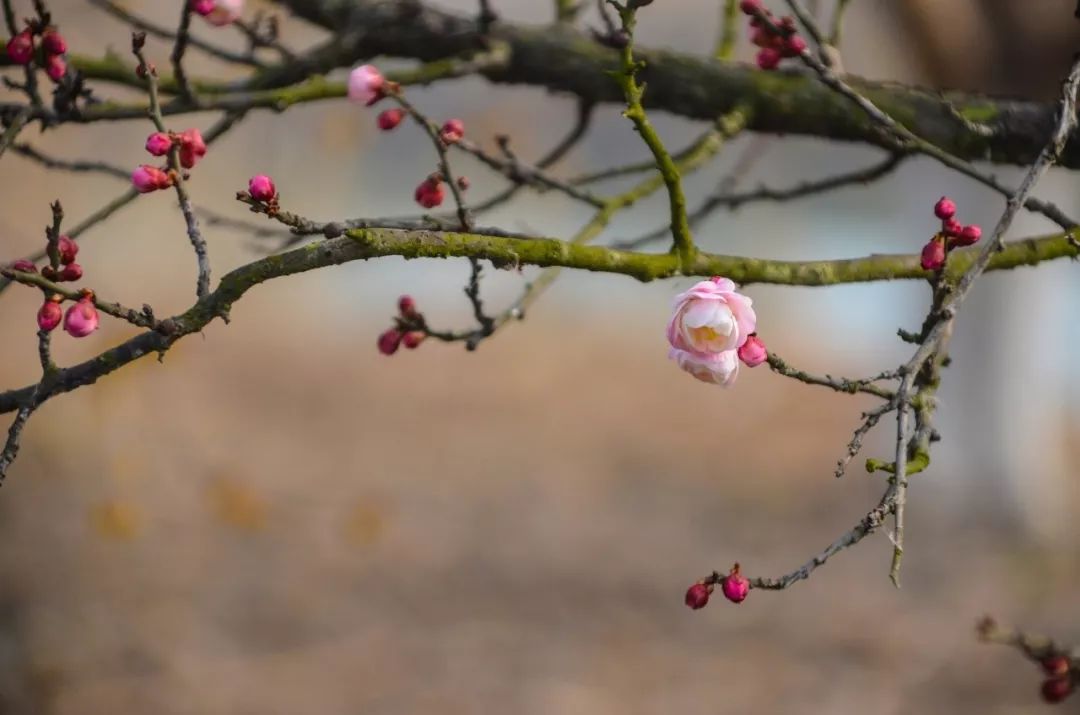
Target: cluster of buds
(191,147)
(1060,681)
(218,12)
(734,586)
(953,234)
(408,328)
(712,328)
(777,39)
(21,49)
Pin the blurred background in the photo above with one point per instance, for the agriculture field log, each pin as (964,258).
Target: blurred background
(280,520)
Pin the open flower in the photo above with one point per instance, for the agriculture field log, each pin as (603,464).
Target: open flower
(711,318)
(366,85)
(225,12)
(716,368)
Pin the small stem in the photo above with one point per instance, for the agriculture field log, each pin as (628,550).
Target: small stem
(729,29)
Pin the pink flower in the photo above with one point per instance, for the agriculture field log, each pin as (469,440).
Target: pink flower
(53,43)
(452,131)
(67,249)
(148,178)
(158,143)
(192,148)
(716,368)
(697,596)
(389,119)
(20,48)
(753,352)
(366,85)
(735,586)
(23,265)
(945,208)
(201,7)
(55,67)
(261,187)
(225,12)
(49,315)
(407,306)
(429,193)
(390,341)
(711,318)
(82,318)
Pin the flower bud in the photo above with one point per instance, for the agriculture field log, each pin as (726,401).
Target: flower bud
(951,227)
(969,235)
(933,255)
(753,351)
(201,7)
(50,314)
(697,596)
(1055,665)
(390,341)
(366,85)
(82,318)
(750,7)
(71,272)
(389,119)
(148,178)
(1054,690)
(452,131)
(66,249)
(192,148)
(225,12)
(430,193)
(20,48)
(23,265)
(945,208)
(53,43)
(49,273)
(463,183)
(55,67)
(768,58)
(407,306)
(793,46)
(735,586)
(413,339)
(158,143)
(261,187)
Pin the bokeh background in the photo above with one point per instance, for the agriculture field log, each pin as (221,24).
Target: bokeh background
(278,519)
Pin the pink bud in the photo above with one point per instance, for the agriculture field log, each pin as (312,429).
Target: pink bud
(20,48)
(23,265)
(463,183)
(158,143)
(406,306)
(735,586)
(430,193)
(951,227)
(753,351)
(192,148)
(71,272)
(49,315)
(53,43)
(261,187)
(1056,665)
(67,249)
(55,67)
(793,46)
(452,131)
(49,273)
(390,119)
(366,85)
(413,339)
(945,208)
(763,37)
(768,58)
(697,596)
(933,255)
(968,235)
(390,341)
(225,12)
(1054,690)
(148,178)
(750,7)
(82,318)
(201,7)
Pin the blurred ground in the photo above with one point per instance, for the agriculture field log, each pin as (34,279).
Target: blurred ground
(278,520)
